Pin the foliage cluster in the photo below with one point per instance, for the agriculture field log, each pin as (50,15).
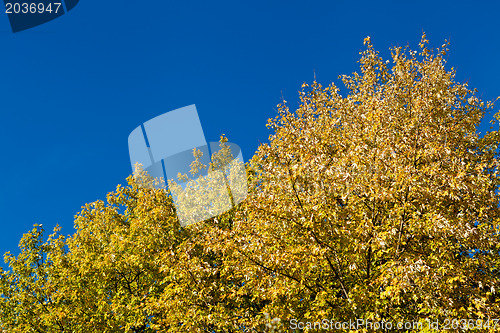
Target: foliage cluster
(381,205)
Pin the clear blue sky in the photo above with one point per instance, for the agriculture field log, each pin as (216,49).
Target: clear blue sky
(74,88)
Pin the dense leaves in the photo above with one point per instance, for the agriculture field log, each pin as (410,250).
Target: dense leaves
(381,205)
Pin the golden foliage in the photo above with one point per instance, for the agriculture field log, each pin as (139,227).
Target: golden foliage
(381,205)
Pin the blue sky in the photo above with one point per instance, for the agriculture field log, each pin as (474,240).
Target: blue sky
(74,88)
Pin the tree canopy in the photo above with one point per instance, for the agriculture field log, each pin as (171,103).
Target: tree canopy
(381,205)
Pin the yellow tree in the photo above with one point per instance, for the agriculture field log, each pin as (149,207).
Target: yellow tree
(130,266)
(28,293)
(380,205)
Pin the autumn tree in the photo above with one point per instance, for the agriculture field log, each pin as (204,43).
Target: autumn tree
(28,290)
(380,205)
(130,266)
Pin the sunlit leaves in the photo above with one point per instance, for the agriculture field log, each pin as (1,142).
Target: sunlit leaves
(392,184)
(381,204)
